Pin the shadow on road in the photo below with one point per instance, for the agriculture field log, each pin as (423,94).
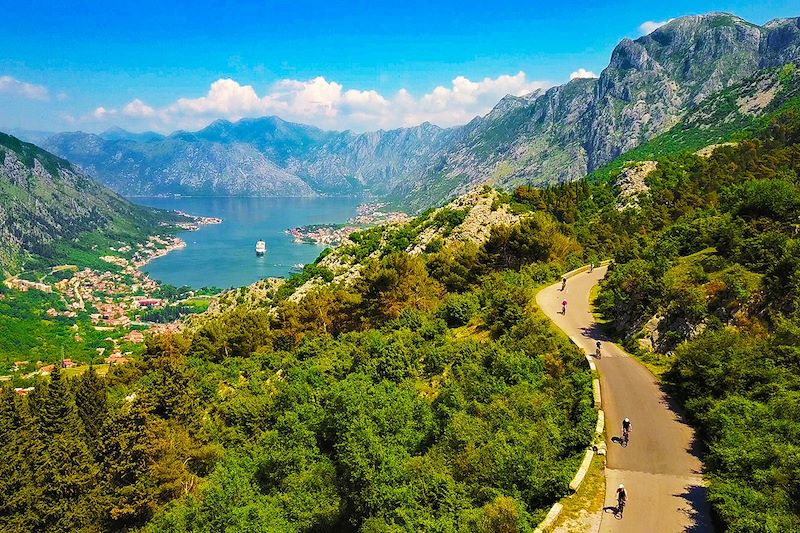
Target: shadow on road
(613,510)
(695,445)
(619,440)
(595,332)
(696,510)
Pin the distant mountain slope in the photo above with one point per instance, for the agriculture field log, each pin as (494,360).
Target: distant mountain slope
(44,199)
(545,137)
(263,157)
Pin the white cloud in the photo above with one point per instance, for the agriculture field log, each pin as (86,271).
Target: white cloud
(326,104)
(137,108)
(582,73)
(651,26)
(101,113)
(13,86)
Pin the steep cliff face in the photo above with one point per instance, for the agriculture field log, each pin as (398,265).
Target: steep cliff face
(374,161)
(545,137)
(648,86)
(650,81)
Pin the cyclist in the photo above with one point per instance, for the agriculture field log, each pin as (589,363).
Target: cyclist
(622,498)
(563,284)
(597,350)
(626,430)
(564,307)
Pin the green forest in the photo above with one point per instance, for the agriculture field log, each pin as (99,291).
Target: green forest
(430,395)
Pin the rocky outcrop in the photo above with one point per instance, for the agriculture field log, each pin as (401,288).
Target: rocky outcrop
(630,183)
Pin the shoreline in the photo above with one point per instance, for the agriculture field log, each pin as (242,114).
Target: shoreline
(179,196)
(174,242)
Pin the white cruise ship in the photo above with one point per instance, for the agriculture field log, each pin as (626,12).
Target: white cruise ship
(261,248)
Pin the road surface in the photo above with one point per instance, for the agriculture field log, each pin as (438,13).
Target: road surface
(660,467)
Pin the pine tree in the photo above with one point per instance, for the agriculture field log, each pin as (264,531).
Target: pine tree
(91,402)
(15,475)
(64,471)
(56,412)
(124,448)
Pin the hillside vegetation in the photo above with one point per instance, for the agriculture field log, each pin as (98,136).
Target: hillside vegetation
(50,212)
(705,285)
(403,382)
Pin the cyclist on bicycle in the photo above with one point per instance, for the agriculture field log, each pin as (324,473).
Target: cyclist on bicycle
(626,429)
(597,350)
(622,498)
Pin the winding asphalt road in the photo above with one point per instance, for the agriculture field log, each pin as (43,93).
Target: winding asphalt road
(660,467)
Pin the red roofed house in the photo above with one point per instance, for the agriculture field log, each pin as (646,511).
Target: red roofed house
(116,358)
(135,336)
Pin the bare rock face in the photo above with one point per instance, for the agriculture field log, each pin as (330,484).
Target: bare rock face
(631,183)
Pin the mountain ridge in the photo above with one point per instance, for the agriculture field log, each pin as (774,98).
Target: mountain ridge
(551,136)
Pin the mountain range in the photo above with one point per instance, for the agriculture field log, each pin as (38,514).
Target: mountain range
(544,137)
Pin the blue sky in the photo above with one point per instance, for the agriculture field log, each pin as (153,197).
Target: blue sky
(164,65)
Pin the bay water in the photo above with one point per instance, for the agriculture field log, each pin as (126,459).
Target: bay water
(223,255)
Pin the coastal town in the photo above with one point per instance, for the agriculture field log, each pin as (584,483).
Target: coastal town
(109,304)
(195,221)
(368,214)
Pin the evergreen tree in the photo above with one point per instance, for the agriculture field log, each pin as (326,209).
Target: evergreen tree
(15,475)
(126,486)
(63,469)
(56,411)
(90,400)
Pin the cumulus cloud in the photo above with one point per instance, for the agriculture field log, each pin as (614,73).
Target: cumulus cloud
(650,26)
(137,108)
(101,113)
(327,104)
(582,73)
(31,91)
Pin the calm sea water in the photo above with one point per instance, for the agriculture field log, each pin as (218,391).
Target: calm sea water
(223,255)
